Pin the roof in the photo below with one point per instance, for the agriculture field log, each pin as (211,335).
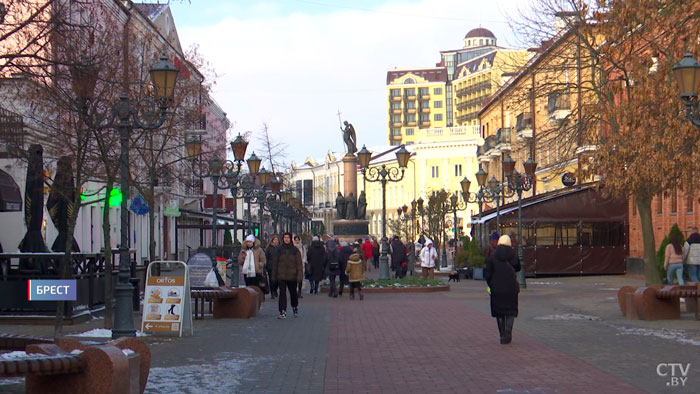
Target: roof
(479,32)
(151,10)
(431,74)
(473,64)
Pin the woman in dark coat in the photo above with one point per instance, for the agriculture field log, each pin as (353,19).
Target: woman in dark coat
(398,257)
(271,255)
(316,256)
(500,276)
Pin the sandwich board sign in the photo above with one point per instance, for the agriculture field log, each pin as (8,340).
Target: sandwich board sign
(167,306)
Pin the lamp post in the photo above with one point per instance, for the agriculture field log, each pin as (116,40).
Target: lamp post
(383,175)
(687,75)
(419,203)
(126,117)
(479,197)
(519,183)
(456,205)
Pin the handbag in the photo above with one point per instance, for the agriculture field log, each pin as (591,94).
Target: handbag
(263,284)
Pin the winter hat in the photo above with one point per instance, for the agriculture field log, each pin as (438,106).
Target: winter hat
(354,257)
(250,238)
(428,242)
(494,236)
(504,240)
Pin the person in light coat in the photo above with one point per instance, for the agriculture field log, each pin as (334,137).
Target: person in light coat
(252,261)
(428,260)
(691,254)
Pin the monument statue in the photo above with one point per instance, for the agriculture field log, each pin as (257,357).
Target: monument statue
(340,206)
(362,205)
(349,137)
(351,207)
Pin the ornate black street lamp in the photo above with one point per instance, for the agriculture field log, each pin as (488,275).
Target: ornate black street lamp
(126,116)
(383,175)
(456,205)
(687,74)
(519,183)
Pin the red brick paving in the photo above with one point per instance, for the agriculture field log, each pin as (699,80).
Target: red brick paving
(425,343)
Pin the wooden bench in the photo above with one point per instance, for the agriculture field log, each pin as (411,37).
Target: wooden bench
(657,302)
(20,342)
(69,366)
(227,302)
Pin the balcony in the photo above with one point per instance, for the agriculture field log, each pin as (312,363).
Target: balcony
(395,124)
(411,123)
(503,139)
(424,124)
(395,111)
(411,110)
(558,106)
(425,110)
(395,137)
(410,96)
(488,149)
(395,98)
(425,96)
(523,125)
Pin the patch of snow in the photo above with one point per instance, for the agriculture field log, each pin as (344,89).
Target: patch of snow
(610,288)
(128,352)
(544,283)
(76,351)
(567,316)
(663,333)
(611,298)
(599,284)
(102,333)
(19,354)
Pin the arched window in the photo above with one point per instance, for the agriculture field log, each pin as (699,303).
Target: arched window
(469,42)
(481,41)
(409,81)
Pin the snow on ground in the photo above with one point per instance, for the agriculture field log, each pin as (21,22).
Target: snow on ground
(663,333)
(101,333)
(543,283)
(567,316)
(19,354)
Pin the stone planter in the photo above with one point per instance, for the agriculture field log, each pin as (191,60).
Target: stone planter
(478,273)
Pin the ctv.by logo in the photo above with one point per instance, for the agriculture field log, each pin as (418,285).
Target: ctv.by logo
(676,373)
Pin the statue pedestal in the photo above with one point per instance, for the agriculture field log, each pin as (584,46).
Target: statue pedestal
(350,163)
(350,230)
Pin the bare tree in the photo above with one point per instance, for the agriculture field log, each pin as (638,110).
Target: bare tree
(273,152)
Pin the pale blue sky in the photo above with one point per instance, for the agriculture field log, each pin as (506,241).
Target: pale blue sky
(294,63)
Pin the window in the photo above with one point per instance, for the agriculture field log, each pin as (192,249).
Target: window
(396,105)
(425,104)
(634,206)
(410,118)
(396,118)
(437,104)
(395,92)
(689,202)
(411,105)
(424,118)
(458,170)
(409,131)
(437,90)
(434,171)
(395,131)
(659,204)
(409,81)
(481,41)
(410,92)
(674,201)
(308,192)
(424,91)
(437,117)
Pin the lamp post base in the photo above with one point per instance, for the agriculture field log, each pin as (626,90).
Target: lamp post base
(123,316)
(384,266)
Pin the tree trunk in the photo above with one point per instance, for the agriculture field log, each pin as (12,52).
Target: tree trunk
(151,224)
(106,233)
(64,270)
(651,273)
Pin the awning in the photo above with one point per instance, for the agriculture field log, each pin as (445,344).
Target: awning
(582,203)
(10,195)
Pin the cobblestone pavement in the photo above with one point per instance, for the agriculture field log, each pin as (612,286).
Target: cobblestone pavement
(569,338)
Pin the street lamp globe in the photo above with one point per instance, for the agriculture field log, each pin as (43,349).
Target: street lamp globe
(238,146)
(465,184)
(193,143)
(364,156)
(264,176)
(163,76)
(84,79)
(508,166)
(215,166)
(453,200)
(254,164)
(687,74)
(420,203)
(530,167)
(481,176)
(275,184)
(402,156)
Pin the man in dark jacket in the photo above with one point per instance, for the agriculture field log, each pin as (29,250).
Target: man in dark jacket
(271,254)
(345,251)
(288,273)
(316,256)
(333,256)
(399,262)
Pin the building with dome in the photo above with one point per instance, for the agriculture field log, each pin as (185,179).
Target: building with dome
(449,94)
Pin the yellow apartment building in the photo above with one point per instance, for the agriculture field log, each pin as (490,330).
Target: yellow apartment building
(451,93)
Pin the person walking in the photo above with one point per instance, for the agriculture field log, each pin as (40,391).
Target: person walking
(288,273)
(428,259)
(493,242)
(375,253)
(333,256)
(252,260)
(503,287)
(399,261)
(346,250)
(316,256)
(691,254)
(367,250)
(302,250)
(673,259)
(355,271)
(271,254)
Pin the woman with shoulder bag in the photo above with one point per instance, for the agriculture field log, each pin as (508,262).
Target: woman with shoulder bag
(500,277)
(252,261)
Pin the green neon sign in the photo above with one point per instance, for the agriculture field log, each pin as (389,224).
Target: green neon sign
(115,197)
